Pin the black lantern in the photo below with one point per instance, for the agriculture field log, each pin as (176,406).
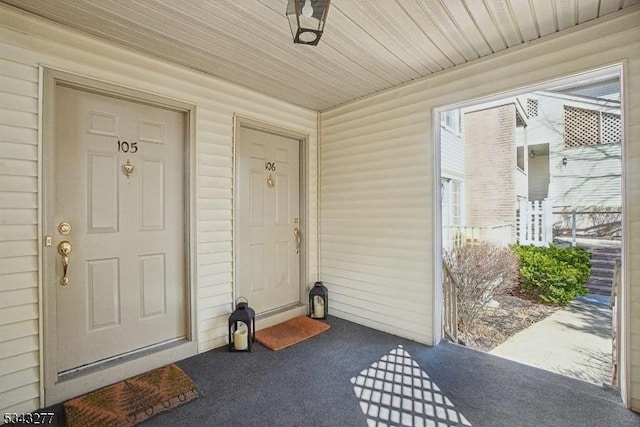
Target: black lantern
(318,301)
(307,18)
(242,337)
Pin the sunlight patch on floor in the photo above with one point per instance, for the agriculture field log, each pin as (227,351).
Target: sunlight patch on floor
(395,391)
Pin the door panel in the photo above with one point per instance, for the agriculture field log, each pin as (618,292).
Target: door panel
(152,181)
(267,265)
(127,279)
(103,193)
(103,284)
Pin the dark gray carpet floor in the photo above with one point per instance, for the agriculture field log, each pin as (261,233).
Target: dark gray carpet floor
(311,384)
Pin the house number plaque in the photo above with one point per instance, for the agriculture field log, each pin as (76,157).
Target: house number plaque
(271,167)
(127,147)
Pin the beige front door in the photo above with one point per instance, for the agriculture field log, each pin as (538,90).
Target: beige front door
(268,214)
(119,185)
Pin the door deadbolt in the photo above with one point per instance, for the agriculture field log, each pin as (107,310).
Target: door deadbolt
(64,228)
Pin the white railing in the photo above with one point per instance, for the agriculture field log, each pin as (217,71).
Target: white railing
(450,303)
(535,222)
(614,304)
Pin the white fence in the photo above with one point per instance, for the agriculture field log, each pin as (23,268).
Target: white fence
(535,222)
(453,237)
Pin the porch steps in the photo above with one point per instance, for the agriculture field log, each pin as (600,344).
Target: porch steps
(603,261)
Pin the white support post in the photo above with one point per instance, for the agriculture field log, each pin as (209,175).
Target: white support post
(574,228)
(522,225)
(547,206)
(536,236)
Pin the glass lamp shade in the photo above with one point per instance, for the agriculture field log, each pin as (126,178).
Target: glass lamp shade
(307,19)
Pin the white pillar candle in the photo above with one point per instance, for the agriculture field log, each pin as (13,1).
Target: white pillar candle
(318,308)
(240,341)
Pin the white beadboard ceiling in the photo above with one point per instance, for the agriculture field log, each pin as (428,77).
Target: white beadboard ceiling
(368,45)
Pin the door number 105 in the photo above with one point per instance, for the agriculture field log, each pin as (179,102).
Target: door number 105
(127,147)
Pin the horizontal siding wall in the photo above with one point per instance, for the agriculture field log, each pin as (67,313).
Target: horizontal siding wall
(375,221)
(19,340)
(26,42)
(377,177)
(591,177)
(631,165)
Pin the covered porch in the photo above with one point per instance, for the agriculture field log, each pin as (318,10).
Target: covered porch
(357,127)
(346,377)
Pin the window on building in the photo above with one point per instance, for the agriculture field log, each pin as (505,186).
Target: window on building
(451,120)
(451,202)
(521,142)
(520,158)
(584,127)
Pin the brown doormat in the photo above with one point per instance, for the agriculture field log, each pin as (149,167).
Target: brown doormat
(290,332)
(132,401)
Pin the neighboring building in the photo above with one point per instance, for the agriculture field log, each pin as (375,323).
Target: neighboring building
(561,145)
(452,169)
(576,150)
(496,168)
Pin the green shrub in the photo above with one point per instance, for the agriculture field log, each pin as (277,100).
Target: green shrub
(557,275)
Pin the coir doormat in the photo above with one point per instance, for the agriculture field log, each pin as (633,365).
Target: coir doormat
(132,401)
(290,332)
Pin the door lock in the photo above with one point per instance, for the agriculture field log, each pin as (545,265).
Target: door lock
(64,228)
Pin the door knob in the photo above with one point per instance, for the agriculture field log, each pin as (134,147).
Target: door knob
(64,249)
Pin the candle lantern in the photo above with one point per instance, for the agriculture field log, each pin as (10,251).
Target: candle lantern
(242,326)
(318,301)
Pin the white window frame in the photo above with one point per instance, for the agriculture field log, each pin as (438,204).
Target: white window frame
(450,120)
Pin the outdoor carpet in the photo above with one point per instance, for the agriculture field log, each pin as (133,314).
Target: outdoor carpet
(290,332)
(132,401)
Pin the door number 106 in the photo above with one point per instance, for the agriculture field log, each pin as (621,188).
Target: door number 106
(127,147)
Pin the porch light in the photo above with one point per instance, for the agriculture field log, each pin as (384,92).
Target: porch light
(318,301)
(242,327)
(307,19)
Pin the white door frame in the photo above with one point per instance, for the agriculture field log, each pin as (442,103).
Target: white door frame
(53,389)
(238,122)
(624,292)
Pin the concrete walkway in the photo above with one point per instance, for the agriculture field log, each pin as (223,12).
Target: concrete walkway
(574,341)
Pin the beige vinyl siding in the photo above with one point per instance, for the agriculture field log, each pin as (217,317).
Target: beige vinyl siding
(19,342)
(631,97)
(377,174)
(25,43)
(375,221)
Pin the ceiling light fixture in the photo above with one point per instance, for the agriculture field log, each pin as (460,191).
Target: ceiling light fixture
(307,19)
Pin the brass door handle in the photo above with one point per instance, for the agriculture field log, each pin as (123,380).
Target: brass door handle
(64,249)
(298,235)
